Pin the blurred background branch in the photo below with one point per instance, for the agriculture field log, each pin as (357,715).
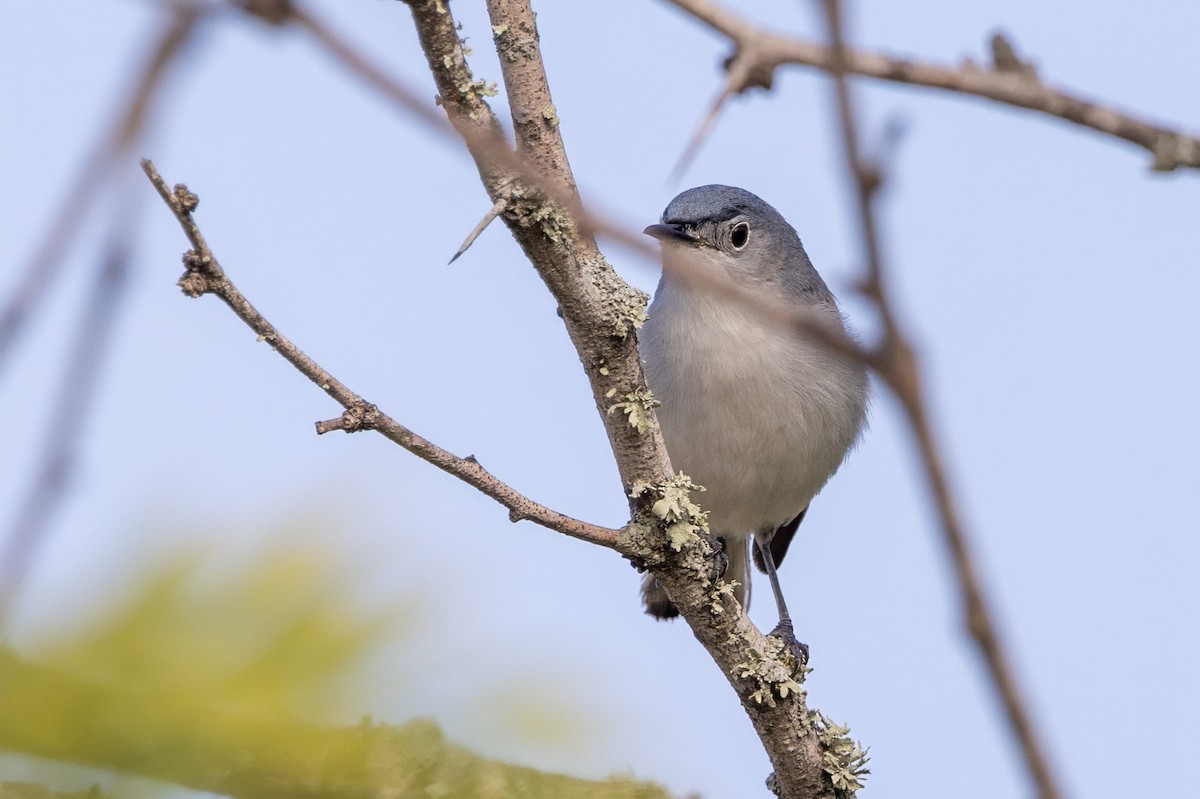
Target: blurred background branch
(1010,80)
(117,141)
(898,366)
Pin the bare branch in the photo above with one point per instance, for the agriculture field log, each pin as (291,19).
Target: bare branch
(897,365)
(1171,148)
(117,140)
(205,276)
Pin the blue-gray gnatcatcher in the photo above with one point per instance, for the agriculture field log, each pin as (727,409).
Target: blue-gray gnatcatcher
(756,413)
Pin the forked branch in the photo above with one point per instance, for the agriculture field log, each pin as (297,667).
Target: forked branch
(204,275)
(758,52)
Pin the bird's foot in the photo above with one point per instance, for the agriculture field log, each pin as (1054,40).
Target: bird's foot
(720,561)
(798,650)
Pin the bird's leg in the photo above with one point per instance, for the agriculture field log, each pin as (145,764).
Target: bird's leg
(784,630)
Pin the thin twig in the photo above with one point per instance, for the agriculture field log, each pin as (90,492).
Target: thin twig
(898,367)
(204,275)
(42,270)
(1171,148)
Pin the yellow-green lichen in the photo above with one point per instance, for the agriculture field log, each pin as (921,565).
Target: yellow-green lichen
(638,406)
(774,669)
(623,306)
(842,758)
(480,88)
(718,595)
(684,520)
(530,211)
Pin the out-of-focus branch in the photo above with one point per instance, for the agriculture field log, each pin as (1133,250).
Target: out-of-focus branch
(92,339)
(897,365)
(759,52)
(117,140)
(205,276)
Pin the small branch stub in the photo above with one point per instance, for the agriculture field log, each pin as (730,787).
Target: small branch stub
(185,199)
(355,419)
(198,278)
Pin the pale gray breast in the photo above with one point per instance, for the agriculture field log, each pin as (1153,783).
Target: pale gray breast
(753,413)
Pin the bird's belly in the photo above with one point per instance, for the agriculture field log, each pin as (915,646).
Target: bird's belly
(756,473)
(757,417)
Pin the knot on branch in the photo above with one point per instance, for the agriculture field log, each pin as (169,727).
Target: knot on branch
(869,175)
(356,418)
(185,199)
(273,12)
(1005,58)
(746,70)
(201,275)
(1172,151)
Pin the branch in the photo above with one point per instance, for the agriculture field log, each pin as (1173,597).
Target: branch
(759,52)
(539,203)
(204,275)
(897,365)
(600,312)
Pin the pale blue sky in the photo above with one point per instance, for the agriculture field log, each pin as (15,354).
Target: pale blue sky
(1049,279)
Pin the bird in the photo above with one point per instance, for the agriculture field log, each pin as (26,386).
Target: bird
(753,410)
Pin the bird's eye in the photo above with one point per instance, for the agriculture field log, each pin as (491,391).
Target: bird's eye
(739,235)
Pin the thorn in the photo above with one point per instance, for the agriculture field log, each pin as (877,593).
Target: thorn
(483,223)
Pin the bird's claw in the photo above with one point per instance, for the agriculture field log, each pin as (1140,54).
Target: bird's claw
(720,561)
(798,649)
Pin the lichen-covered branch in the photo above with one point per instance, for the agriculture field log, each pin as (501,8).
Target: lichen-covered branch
(599,310)
(601,313)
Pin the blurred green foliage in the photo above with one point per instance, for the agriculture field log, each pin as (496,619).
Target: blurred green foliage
(224,680)
(22,790)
